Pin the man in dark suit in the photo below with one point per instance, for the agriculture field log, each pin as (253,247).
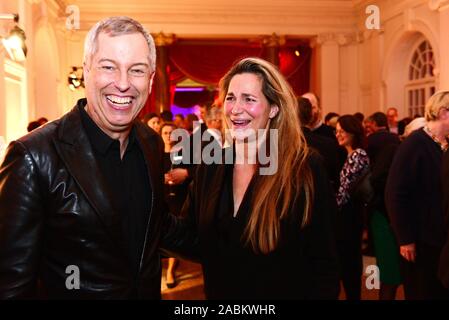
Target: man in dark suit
(316,123)
(443,272)
(81,199)
(326,147)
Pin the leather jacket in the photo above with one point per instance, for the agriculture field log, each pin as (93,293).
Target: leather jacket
(55,213)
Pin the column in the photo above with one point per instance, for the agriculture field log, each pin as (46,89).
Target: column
(161,87)
(329,68)
(443,8)
(271,48)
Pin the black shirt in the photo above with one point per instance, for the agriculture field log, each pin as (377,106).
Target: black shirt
(129,184)
(413,194)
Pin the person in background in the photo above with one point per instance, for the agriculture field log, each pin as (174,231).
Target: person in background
(318,126)
(214,132)
(166,116)
(42,120)
(175,193)
(153,121)
(381,147)
(412,126)
(359,116)
(443,266)
(414,201)
(178,120)
(392,116)
(331,119)
(402,124)
(33,125)
(350,135)
(326,147)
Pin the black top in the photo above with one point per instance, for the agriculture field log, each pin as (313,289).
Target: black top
(175,195)
(128,181)
(233,271)
(381,147)
(329,150)
(413,193)
(325,130)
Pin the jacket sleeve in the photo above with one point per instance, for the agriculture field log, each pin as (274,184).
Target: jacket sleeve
(21,222)
(320,246)
(400,192)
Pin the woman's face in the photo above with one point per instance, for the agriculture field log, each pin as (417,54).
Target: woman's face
(155,124)
(344,138)
(165,133)
(246,107)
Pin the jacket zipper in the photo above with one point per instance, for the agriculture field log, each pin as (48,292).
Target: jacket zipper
(145,240)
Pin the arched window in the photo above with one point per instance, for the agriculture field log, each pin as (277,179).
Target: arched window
(421,80)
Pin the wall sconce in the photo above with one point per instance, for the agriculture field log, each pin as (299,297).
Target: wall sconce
(15,42)
(76,78)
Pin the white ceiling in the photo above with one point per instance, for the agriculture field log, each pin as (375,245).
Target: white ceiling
(231,17)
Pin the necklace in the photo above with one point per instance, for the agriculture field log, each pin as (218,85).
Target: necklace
(443,146)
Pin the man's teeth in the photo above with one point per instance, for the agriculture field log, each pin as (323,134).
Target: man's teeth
(119,100)
(240,122)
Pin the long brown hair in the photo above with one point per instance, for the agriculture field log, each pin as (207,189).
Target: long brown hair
(275,194)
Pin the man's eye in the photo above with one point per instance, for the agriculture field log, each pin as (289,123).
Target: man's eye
(107,68)
(137,71)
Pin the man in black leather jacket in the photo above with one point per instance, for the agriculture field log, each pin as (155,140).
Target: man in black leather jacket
(81,199)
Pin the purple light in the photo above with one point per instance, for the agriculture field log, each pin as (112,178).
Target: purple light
(187,89)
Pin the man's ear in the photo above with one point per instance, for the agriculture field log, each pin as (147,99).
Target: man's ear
(85,70)
(151,81)
(273,111)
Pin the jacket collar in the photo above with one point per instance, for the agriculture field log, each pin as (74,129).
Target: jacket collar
(73,145)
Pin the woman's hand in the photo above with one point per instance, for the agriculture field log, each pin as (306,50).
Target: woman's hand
(408,251)
(176,176)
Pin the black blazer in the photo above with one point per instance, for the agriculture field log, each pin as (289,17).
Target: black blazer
(55,212)
(312,249)
(443,271)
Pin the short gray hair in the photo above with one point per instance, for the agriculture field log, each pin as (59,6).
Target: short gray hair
(117,26)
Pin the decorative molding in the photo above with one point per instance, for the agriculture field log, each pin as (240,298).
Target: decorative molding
(273,40)
(438,5)
(345,39)
(162,39)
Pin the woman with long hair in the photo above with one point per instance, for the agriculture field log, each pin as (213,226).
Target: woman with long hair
(265,227)
(351,136)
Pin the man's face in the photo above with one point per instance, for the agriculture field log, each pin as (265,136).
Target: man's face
(203,113)
(392,117)
(370,127)
(118,81)
(316,111)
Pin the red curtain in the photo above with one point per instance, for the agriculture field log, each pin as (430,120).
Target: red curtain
(294,63)
(206,61)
